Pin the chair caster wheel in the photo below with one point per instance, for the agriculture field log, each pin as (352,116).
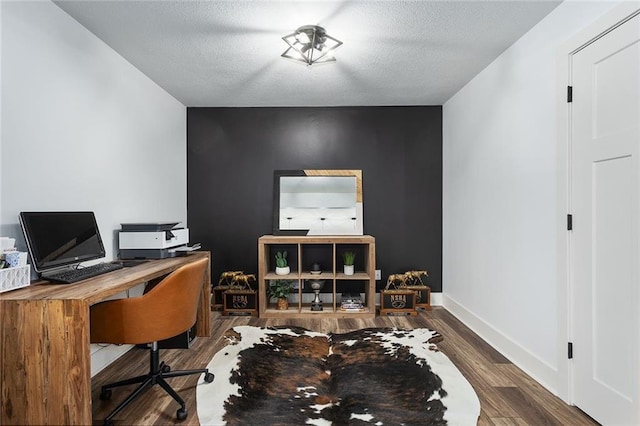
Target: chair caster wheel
(181,414)
(166,368)
(208,377)
(105,394)
(108,423)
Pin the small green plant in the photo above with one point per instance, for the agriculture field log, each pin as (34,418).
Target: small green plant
(280,289)
(281,259)
(348,257)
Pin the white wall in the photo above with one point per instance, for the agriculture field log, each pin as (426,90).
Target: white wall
(499,202)
(82,129)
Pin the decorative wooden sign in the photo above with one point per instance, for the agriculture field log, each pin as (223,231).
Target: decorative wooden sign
(240,302)
(398,302)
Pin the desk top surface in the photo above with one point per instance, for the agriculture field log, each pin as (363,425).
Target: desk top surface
(99,288)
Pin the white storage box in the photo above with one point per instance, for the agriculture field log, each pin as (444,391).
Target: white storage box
(13,278)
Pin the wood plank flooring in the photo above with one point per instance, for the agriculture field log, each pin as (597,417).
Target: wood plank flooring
(507,395)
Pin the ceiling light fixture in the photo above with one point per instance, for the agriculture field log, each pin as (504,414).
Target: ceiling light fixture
(311,44)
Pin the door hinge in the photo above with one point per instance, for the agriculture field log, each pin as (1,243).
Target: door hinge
(569,222)
(569,93)
(570,350)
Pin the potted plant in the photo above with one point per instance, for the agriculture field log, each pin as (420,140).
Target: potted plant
(281,263)
(348,258)
(280,290)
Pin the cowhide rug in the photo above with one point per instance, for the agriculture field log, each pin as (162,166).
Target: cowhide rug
(292,376)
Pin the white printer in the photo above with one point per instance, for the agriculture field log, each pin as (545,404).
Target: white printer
(152,240)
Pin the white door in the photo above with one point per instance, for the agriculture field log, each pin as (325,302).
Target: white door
(604,254)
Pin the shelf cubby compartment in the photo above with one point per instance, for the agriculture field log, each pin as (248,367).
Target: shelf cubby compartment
(316,253)
(292,257)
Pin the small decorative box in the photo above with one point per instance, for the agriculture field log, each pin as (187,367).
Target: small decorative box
(14,278)
(398,302)
(217,298)
(240,302)
(423,296)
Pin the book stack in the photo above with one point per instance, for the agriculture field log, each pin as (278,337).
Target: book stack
(351,302)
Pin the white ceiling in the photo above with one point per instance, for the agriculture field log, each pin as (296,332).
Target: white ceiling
(227,53)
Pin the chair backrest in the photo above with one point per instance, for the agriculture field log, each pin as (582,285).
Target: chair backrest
(167,310)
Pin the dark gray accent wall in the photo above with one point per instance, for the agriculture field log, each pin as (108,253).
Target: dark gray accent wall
(232,153)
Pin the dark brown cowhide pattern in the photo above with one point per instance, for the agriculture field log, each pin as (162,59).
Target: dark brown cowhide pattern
(297,378)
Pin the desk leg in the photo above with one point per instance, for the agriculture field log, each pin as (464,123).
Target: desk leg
(46,362)
(203,320)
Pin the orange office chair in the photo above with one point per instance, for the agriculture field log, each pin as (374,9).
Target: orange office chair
(168,309)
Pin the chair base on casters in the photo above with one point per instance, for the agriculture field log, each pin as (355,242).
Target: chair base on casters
(158,372)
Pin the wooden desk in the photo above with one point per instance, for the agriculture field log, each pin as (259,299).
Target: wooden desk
(44,346)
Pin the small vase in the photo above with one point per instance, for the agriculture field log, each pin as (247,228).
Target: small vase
(283,271)
(349,269)
(283,304)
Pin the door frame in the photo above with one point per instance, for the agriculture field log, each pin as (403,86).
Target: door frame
(609,21)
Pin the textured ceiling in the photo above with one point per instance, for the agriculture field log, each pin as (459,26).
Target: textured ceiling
(227,53)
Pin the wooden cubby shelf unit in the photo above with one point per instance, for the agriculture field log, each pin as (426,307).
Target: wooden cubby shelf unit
(302,253)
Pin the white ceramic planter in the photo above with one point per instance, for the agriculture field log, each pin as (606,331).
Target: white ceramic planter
(283,271)
(349,269)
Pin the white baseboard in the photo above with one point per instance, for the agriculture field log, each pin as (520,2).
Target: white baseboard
(539,370)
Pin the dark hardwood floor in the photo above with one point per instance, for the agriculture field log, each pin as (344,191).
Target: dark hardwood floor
(507,395)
